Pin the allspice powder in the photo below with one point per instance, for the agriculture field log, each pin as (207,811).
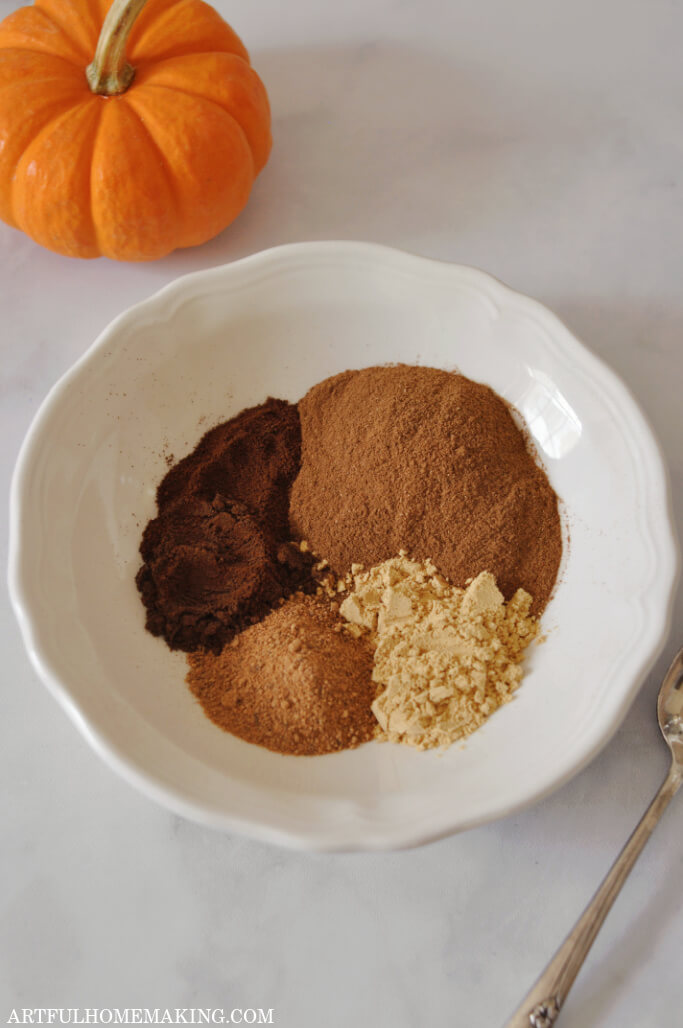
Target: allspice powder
(217,556)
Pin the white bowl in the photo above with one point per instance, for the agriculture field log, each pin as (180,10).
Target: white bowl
(274,324)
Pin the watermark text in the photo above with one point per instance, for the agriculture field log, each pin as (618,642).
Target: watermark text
(141,1015)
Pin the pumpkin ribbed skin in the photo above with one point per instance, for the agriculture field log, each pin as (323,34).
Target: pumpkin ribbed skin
(168,163)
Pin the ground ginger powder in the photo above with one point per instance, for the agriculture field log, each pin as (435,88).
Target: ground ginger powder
(447,657)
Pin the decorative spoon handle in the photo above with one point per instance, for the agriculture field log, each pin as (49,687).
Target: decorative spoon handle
(543,1003)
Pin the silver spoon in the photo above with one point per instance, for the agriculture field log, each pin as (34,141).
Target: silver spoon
(541,1006)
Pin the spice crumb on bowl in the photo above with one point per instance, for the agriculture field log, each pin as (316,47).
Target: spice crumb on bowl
(371,562)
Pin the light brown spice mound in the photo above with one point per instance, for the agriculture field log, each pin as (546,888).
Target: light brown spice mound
(293,683)
(429,461)
(448,657)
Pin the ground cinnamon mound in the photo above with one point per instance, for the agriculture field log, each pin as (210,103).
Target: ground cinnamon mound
(293,683)
(427,461)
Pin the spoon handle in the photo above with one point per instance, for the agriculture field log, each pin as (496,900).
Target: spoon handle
(541,1006)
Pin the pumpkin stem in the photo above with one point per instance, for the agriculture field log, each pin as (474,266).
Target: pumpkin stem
(110,73)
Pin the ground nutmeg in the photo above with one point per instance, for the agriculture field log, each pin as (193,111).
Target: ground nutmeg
(291,683)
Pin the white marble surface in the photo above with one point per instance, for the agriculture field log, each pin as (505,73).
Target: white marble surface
(542,142)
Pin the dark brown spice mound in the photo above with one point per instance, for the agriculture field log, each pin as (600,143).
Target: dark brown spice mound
(431,462)
(290,683)
(217,556)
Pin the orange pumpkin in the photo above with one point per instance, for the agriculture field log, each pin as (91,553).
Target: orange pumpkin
(152,145)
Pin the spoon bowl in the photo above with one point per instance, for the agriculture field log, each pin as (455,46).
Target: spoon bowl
(670,708)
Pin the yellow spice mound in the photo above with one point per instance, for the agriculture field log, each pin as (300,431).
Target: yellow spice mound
(448,657)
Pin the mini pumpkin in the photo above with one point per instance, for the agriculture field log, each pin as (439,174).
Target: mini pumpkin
(152,144)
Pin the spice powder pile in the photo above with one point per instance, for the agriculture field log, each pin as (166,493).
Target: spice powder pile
(423,460)
(290,683)
(446,657)
(368,465)
(217,557)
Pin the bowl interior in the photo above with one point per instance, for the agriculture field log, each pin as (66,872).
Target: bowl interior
(275,324)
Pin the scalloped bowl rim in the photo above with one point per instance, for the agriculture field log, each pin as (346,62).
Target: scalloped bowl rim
(368,834)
